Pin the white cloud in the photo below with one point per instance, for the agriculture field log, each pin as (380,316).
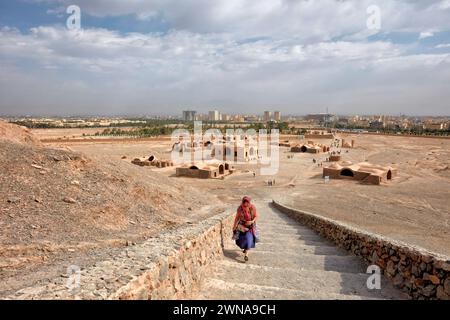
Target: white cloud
(299,55)
(443,45)
(426,34)
(307,19)
(113,50)
(444,4)
(98,71)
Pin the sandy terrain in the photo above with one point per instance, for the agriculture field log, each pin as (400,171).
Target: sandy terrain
(59,207)
(412,208)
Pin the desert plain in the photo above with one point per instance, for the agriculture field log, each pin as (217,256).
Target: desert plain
(136,203)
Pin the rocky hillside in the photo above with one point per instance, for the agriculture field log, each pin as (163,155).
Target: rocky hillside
(14,133)
(56,201)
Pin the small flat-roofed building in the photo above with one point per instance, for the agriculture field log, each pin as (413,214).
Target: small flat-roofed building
(364,171)
(335,158)
(309,148)
(205,170)
(346,144)
(152,161)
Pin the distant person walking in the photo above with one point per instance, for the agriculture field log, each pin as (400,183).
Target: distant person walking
(244,227)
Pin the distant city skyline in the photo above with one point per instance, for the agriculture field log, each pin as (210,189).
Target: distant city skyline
(206,114)
(163,57)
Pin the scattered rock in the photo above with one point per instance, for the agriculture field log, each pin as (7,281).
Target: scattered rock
(34,227)
(163,271)
(415,270)
(69,200)
(419,283)
(441,295)
(447,286)
(432,278)
(38,199)
(375,257)
(13,199)
(391,268)
(37,167)
(423,266)
(429,290)
(75,182)
(444,265)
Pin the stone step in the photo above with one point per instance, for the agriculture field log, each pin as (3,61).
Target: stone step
(294,246)
(287,231)
(217,289)
(272,236)
(282,225)
(297,233)
(297,279)
(301,260)
(291,262)
(295,240)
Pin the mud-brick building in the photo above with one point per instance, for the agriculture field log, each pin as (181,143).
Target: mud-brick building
(205,170)
(365,172)
(310,147)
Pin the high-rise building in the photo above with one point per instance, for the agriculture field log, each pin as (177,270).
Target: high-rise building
(267,116)
(189,115)
(214,115)
(277,116)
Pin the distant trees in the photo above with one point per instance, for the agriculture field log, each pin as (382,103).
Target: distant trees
(416,131)
(35,125)
(137,132)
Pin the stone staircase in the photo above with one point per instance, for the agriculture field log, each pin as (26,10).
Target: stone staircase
(291,262)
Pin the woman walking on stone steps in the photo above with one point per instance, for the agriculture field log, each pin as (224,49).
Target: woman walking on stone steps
(244,227)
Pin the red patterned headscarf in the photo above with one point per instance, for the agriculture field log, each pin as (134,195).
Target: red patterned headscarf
(246,212)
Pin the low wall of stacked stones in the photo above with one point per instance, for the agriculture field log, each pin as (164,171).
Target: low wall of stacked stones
(420,273)
(169,266)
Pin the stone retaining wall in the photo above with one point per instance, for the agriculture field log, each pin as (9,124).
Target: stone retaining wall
(166,267)
(420,273)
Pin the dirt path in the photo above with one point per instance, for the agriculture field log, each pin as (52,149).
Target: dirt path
(291,262)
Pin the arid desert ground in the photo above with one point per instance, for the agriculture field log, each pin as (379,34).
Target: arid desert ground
(413,207)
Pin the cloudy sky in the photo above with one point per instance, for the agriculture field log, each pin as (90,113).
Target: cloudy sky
(238,56)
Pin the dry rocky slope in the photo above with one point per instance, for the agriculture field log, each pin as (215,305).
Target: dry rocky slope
(59,208)
(291,262)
